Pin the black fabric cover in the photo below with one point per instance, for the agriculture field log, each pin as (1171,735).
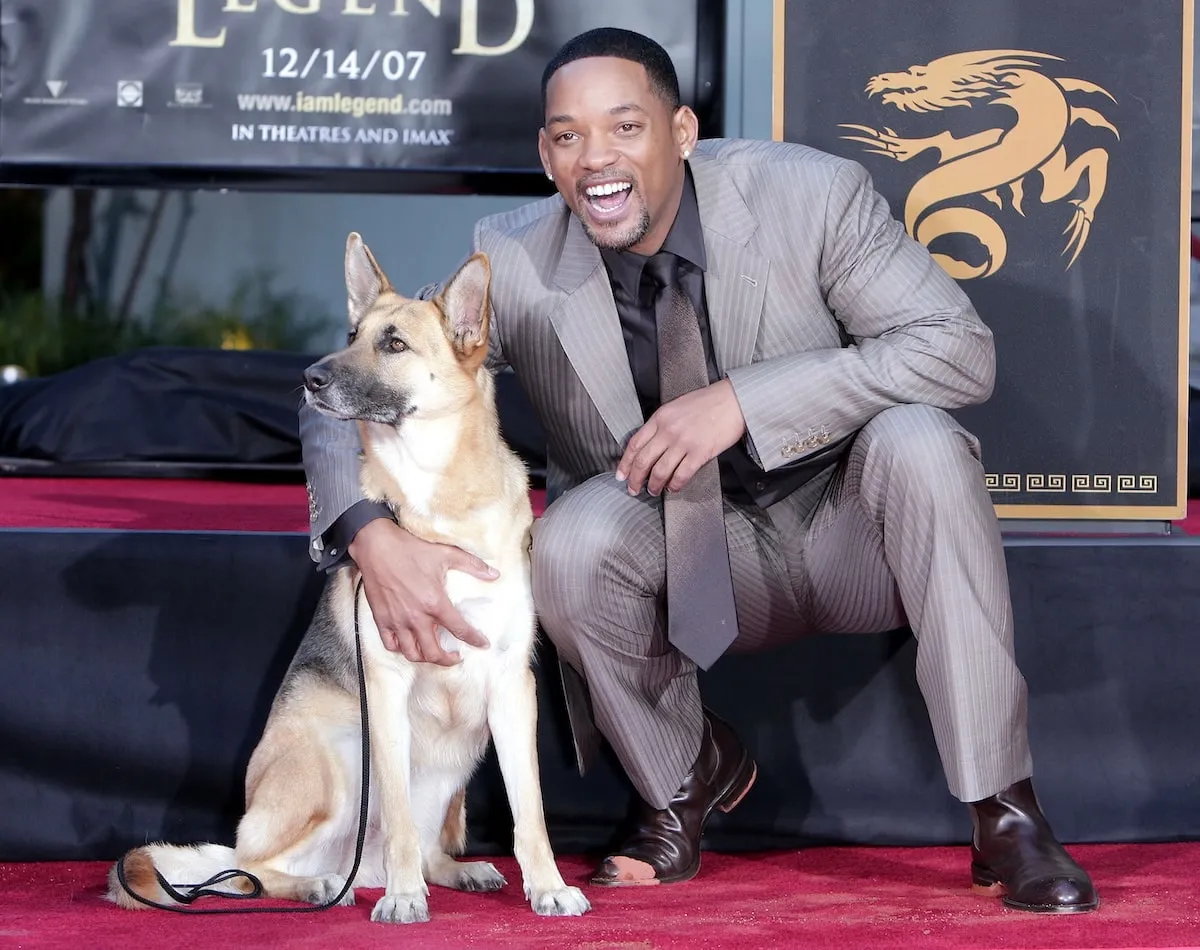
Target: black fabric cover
(177,412)
(138,670)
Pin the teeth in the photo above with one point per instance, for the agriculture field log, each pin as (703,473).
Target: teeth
(597,191)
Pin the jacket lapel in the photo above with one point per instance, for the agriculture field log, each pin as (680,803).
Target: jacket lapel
(590,333)
(735,282)
(735,285)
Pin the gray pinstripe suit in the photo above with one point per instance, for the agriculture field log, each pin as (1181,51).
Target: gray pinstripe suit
(831,323)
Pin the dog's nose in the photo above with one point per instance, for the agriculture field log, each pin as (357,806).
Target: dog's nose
(317,377)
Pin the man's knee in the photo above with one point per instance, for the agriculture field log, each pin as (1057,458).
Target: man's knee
(923,446)
(594,542)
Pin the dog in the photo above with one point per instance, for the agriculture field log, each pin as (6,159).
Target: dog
(413,376)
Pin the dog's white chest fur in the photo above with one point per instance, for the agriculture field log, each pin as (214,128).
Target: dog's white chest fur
(448,706)
(416,456)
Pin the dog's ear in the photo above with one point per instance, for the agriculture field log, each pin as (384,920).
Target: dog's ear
(464,302)
(365,280)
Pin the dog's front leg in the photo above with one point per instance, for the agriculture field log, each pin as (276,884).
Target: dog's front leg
(512,718)
(405,896)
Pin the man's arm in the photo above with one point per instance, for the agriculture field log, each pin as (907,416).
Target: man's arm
(916,336)
(337,509)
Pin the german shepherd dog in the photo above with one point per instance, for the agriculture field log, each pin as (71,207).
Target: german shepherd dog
(412,375)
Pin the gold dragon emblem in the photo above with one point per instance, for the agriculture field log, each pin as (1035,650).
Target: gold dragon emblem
(1003,157)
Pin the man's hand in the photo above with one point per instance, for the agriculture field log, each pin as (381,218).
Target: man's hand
(404,578)
(681,436)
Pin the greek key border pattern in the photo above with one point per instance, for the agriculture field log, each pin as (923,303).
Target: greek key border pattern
(1075,484)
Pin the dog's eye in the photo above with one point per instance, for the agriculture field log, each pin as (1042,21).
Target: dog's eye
(351,336)
(397,345)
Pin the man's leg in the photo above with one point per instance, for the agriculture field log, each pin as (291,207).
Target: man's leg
(908,529)
(598,579)
(598,576)
(904,532)
(908,522)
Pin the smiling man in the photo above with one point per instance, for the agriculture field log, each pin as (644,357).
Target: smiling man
(742,364)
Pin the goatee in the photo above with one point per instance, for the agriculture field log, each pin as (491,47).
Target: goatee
(620,241)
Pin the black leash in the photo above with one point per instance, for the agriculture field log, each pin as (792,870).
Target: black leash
(187,893)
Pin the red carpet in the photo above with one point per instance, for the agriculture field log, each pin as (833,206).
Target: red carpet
(857,898)
(820,898)
(153,504)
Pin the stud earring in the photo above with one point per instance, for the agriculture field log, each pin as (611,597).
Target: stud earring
(549,176)
(686,153)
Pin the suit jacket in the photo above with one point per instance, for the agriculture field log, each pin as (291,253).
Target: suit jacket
(823,312)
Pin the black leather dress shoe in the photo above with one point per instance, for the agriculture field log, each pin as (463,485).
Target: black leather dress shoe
(1015,855)
(668,840)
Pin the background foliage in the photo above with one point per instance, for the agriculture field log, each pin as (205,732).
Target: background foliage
(93,317)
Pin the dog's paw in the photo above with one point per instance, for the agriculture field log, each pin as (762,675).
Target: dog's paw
(401,909)
(325,889)
(477,876)
(564,902)
(463,875)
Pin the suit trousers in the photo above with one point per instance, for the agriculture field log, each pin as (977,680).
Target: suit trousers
(901,531)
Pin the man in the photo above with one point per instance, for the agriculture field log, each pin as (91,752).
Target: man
(832,345)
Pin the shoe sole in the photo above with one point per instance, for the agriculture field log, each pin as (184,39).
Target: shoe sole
(981,887)
(741,784)
(735,791)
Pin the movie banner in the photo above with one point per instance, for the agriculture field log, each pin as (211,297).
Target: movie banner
(1042,152)
(443,85)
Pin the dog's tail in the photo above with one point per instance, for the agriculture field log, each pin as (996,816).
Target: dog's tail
(180,866)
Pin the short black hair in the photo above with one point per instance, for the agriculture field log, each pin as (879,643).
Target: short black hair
(623,44)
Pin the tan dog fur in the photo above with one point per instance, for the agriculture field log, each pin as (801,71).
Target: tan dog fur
(413,376)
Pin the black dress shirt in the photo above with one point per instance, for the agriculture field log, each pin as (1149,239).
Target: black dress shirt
(634,292)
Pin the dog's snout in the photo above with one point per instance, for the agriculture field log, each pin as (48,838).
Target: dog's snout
(317,377)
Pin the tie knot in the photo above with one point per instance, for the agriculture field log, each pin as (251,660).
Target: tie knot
(662,268)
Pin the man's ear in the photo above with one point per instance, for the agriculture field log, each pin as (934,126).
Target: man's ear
(544,153)
(464,303)
(686,127)
(365,280)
